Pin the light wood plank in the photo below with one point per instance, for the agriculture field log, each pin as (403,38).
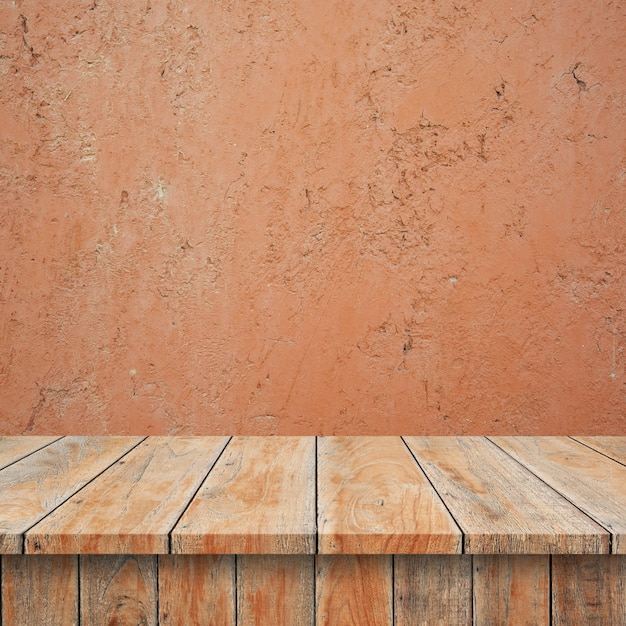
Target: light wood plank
(259,498)
(374,499)
(511,589)
(197,590)
(433,590)
(594,483)
(132,507)
(589,590)
(41,590)
(39,483)
(118,589)
(354,589)
(500,506)
(276,589)
(614,447)
(13,449)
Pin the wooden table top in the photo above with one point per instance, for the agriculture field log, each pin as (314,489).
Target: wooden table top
(306,495)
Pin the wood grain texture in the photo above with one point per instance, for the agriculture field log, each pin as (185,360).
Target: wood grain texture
(276,589)
(132,507)
(589,590)
(13,449)
(591,481)
(118,590)
(614,447)
(500,506)
(259,498)
(511,590)
(374,499)
(433,590)
(40,590)
(197,590)
(36,485)
(354,589)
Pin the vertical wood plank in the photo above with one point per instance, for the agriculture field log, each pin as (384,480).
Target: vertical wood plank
(433,590)
(275,589)
(354,589)
(197,590)
(511,589)
(118,590)
(589,590)
(41,590)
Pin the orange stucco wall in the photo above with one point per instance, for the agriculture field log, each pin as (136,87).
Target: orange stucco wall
(298,217)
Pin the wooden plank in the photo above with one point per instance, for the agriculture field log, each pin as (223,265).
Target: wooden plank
(614,447)
(511,589)
(276,589)
(13,449)
(433,590)
(591,481)
(118,590)
(39,483)
(131,508)
(259,498)
(589,590)
(500,506)
(374,499)
(354,589)
(40,590)
(197,590)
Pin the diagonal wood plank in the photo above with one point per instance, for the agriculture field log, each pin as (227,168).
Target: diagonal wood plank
(13,449)
(614,447)
(374,499)
(131,508)
(501,507)
(259,498)
(36,485)
(591,481)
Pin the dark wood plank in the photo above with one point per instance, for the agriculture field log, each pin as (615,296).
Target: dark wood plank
(589,590)
(41,590)
(354,589)
(132,507)
(374,499)
(197,590)
(118,590)
(39,483)
(433,590)
(276,589)
(511,589)
(259,498)
(13,449)
(594,483)
(614,447)
(501,507)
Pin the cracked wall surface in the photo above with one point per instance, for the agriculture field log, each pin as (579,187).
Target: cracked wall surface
(296,217)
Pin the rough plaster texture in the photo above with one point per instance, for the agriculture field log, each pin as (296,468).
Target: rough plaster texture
(298,217)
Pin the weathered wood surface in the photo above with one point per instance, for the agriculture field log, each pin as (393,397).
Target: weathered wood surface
(511,589)
(374,499)
(614,447)
(131,508)
(40,590)
(259,498)
(500,506)
(591,481)
(197,590)
(354,589)
(433,590)
(13,449)
(276,589)
(118,590)
(589,590)
(39,483)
